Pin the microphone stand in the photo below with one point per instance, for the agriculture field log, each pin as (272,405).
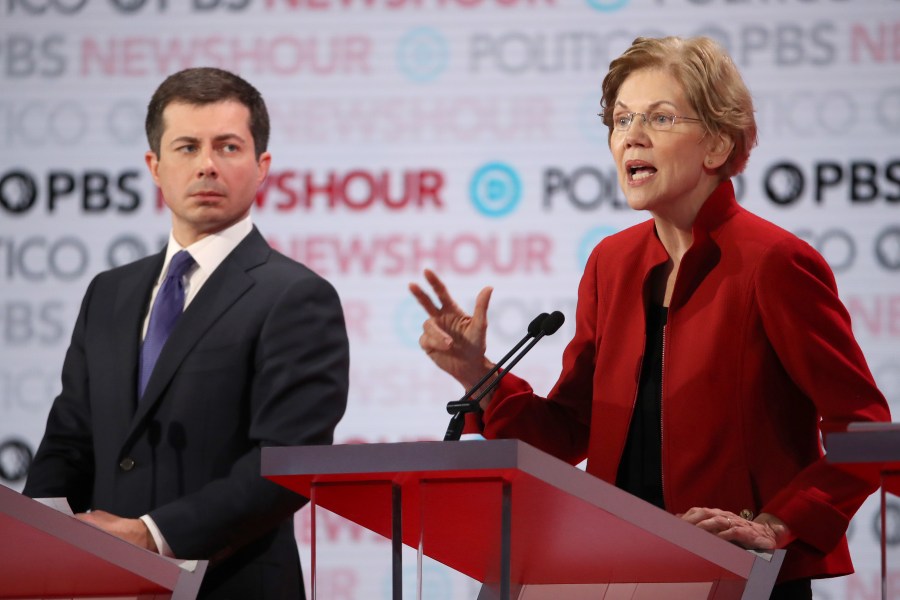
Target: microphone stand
(462,406)
(541,326)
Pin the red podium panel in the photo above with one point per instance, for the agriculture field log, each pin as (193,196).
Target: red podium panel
(47,554)
(565,526)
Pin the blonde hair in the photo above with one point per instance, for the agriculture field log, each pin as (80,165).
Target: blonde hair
(711,82)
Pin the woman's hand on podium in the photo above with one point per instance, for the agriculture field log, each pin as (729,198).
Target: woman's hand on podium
(765,532)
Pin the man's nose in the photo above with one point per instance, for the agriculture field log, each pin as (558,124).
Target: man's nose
(207,164)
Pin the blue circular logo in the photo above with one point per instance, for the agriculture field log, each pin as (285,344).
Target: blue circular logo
(408,319)
(495,189)
(590,240)
(422,54)
(607,5)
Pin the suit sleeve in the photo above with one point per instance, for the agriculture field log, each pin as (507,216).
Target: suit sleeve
(813,338)
(64,463)
(298,394)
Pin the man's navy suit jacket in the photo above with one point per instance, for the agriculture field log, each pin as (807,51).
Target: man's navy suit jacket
(259,357)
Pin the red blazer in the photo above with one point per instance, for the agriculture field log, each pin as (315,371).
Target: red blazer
(758,349)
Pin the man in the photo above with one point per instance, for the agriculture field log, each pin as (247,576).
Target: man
(165,451)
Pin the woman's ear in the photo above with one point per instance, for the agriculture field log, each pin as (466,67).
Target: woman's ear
(718,151)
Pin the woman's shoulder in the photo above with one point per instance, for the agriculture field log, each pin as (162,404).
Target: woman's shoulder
(753,231)
(773,249)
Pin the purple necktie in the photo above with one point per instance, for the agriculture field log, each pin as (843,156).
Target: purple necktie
(167,308)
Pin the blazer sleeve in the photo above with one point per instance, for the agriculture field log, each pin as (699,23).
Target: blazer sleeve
(813,338)
(560,423)
(64,463)
(298,394)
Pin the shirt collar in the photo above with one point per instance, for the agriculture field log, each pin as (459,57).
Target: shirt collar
(209,252)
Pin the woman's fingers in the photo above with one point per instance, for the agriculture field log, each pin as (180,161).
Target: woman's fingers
(479,317)
(424,300)
(434,338)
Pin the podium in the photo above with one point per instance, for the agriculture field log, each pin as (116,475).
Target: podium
(871,449)
(525,524)
(48,554)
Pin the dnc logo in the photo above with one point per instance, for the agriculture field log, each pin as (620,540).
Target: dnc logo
(422,54)
(495,189)
(408,319)
(607,5)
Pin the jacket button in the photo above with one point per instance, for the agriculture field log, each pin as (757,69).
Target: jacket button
(127,464)
(747,514)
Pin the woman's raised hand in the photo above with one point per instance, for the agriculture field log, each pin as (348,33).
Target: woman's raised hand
(454,340)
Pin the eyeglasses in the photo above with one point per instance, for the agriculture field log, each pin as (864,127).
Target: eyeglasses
(658,121)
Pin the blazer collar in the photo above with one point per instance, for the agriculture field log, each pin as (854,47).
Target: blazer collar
(718,208)
(129,310)
(704,253)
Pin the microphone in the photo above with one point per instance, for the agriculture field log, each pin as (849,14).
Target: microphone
(542,325)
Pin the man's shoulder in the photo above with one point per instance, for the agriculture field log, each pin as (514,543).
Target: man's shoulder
(278,273)
(272,269)
(284,266)
(137,268)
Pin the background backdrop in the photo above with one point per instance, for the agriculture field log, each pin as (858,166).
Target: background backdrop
(459,135)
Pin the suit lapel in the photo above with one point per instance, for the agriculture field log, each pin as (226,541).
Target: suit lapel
(224,287)
(131,307)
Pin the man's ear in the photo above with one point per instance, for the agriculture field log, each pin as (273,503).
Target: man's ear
(152,161)
(263,164)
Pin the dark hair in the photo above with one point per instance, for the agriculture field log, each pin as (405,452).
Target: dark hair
(207,85)
(711,82)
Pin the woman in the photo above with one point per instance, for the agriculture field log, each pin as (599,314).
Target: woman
(708,342)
